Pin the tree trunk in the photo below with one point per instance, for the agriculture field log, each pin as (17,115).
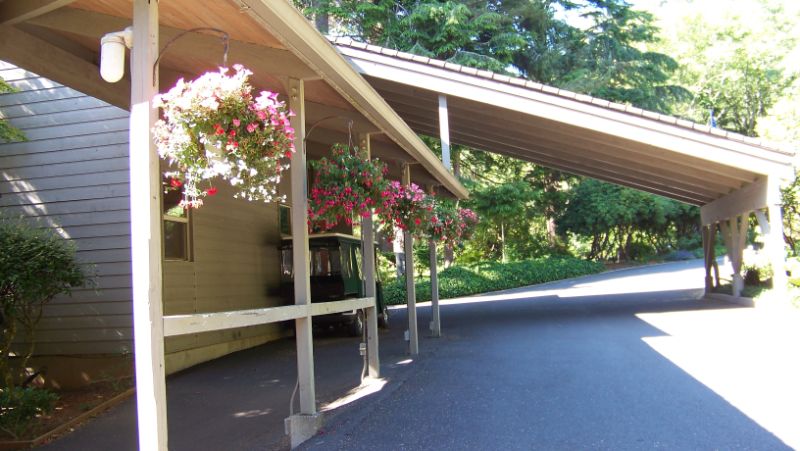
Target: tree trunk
(503,240)
(320,19)
(551,231)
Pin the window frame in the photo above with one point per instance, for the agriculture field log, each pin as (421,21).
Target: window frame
(188,239)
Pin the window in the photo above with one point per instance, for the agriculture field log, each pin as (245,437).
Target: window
(177,240)
(325,262)
(285,219)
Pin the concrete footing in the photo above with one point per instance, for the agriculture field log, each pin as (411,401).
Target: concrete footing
(300,428)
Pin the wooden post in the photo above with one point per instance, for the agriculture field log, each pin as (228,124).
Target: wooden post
(776,246)
(300,257)
(146,237)
(411,296)
(734,231)
(773,247)
(436,322)
(444,131)
(708,249)
(370,290)
(444,137)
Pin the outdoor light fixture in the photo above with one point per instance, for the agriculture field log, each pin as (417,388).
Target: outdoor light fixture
(112,54)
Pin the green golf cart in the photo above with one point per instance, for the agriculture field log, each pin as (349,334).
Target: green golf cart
(336,274)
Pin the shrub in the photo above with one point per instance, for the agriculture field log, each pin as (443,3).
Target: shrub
(680,255)
(465,280)
(20,406)
(35,266)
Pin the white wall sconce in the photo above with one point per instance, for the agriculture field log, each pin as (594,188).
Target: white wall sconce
(112,54)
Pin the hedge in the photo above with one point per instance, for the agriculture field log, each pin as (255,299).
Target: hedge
(466,280)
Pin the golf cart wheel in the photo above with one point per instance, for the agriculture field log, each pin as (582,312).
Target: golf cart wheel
(357,326)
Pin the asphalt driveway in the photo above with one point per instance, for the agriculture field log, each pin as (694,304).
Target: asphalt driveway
(623,360)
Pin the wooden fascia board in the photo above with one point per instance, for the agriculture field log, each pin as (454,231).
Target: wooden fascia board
(627,126)
(755,196)
(16,11)
(288,25)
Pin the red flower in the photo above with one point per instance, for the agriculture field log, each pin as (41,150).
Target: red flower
(175,183)
(211,191)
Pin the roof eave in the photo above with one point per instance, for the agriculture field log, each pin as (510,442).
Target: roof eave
(288,25)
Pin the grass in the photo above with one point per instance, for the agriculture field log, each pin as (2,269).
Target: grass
(465,280)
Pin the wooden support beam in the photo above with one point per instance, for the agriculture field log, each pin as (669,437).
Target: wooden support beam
(750,198)
(370,288)
(436,321)
(16,11)
(444,132)
(300,252)
(411,295)
(774,244)
(734,231)
(346,305)
(206,322)
(708,249)
(146,234)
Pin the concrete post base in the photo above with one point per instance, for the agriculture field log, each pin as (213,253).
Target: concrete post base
(302,427)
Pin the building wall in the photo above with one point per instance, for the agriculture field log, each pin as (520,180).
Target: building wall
(72,175)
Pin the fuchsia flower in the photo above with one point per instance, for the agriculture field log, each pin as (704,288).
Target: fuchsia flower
(197,116)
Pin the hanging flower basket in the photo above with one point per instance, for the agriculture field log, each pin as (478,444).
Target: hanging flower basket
(346,187)
(468,220)
(451,225)
(214,126)
(405,207)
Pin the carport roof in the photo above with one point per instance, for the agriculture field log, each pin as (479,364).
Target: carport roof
(563,130)
(60,39)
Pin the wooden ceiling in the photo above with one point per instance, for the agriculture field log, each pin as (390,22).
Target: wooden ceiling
(60,40)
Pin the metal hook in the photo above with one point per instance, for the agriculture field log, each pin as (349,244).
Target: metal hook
(350,134)
(225,43)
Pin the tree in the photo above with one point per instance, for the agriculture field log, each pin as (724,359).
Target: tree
(621,223)
(612,66)
(505,211)
(35,266)
(527,38)
(734,64)
(7,131)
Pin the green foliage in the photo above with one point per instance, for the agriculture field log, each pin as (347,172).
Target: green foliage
(624,224)
(8,132)
(612,64)
(20,406)
(734,64)
(465,280)
(35,266)
(790,203)
(346,187)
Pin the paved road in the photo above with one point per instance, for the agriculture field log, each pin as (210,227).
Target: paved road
(623,360)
